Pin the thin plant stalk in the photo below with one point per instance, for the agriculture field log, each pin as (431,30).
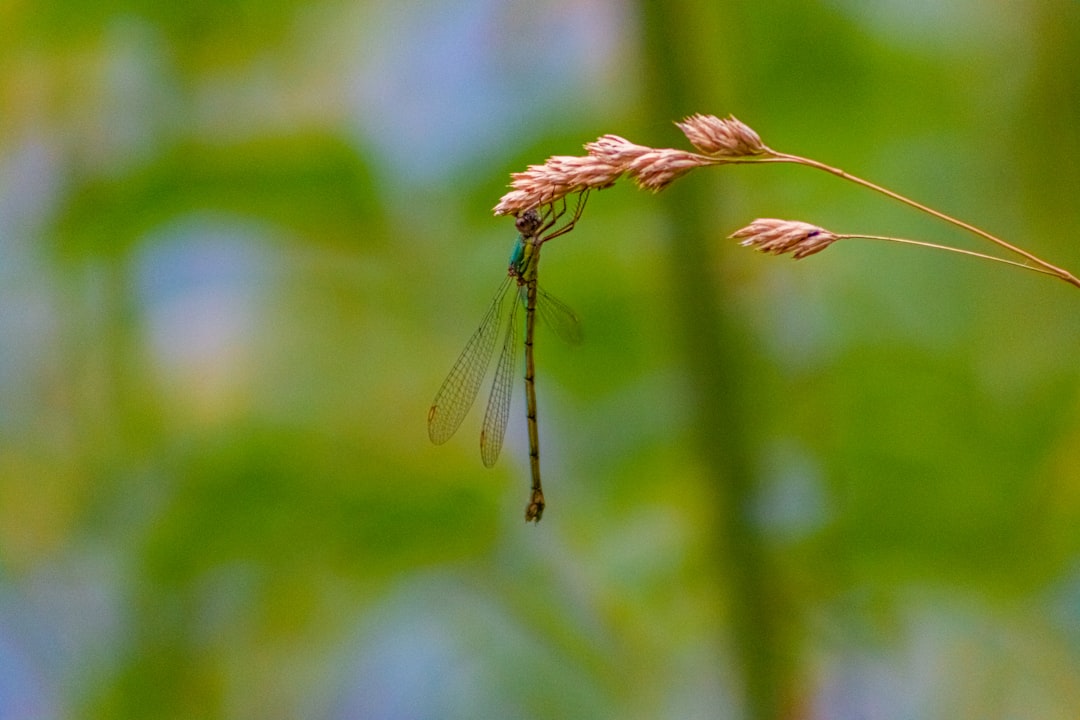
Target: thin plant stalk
(948,248)
(1049,269)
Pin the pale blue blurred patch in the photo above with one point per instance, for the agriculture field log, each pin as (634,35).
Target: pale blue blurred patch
(436,647)
(24,693)
(446,85)
(946,655)
(29,180)
(203,283)
(60,633)
(791,502)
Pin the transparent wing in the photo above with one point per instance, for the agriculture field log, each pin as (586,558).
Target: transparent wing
(558,316)
(458,391)
(498,407)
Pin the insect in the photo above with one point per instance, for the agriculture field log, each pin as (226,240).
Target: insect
(458,391)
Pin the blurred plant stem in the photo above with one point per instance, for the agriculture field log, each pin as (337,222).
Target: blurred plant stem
(716,362)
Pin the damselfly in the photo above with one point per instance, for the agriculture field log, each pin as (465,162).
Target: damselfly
(458,391)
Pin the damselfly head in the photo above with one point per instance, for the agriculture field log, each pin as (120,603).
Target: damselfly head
(527,223)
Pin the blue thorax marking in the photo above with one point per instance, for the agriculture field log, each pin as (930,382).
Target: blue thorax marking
(517,255)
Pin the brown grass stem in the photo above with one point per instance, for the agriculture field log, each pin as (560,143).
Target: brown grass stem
(1049,269)
(961,251)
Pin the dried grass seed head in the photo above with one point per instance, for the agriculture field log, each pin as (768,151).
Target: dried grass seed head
(777,237)
(514,202)
(615,151)
(721,137)
(657,169)
(610,156)
(559,176)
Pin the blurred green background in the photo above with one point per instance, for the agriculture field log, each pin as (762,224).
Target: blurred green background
(242,243)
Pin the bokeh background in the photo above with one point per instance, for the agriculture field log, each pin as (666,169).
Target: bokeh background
(241,243)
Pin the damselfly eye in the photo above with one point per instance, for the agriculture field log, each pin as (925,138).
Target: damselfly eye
(528,222)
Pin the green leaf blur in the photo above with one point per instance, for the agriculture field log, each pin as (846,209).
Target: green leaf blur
(242,243)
